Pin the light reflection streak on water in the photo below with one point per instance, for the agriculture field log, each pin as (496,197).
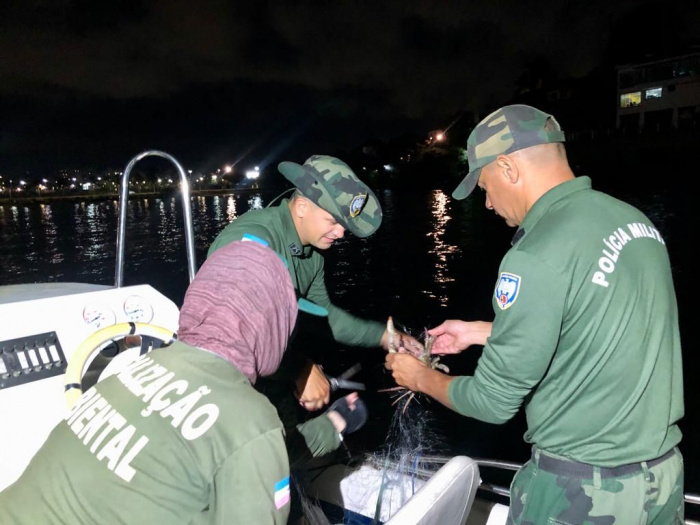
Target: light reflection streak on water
(231,211)
(342,269)
(55,256)
(171,240)
(216,204)
(26,225)
(167,230)
(90,240)
(255,202)
(11,241)
(94,228)
(138,225)
(439,211)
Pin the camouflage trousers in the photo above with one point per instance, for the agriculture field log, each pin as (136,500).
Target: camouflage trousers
(551,489)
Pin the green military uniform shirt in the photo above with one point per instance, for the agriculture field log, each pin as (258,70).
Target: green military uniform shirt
(180,436)
(275,227)
(586,330)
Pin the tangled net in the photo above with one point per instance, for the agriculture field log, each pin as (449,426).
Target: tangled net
(385,479)
(409,457)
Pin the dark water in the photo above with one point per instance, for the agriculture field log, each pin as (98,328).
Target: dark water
(432,259)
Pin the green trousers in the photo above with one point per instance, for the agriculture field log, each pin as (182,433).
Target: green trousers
(552,489)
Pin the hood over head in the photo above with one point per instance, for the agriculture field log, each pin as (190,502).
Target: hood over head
(241,305)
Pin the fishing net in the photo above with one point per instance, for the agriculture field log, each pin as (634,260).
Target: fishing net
(409,457)
(376,484)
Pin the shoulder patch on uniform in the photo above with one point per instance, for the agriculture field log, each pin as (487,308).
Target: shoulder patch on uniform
(254,238)
(507,290)
(282,493)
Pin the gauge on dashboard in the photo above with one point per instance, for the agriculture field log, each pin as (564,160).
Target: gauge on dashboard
(98,316)
(138,310)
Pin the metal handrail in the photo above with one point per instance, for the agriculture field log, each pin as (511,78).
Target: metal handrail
(496,489)
(497,463)
(123,202)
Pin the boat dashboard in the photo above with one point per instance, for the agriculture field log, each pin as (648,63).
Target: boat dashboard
(42,326)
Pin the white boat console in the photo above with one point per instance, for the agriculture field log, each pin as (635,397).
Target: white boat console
(42,326)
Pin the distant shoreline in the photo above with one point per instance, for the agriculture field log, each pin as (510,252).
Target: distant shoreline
(44,199)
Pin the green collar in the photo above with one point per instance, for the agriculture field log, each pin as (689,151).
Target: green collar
(546,201)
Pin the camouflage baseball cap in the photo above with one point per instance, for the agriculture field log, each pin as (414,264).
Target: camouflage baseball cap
(504,131)
(333,186)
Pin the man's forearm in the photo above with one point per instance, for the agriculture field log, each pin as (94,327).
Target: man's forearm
(352,330)
(436,385)
(481,331)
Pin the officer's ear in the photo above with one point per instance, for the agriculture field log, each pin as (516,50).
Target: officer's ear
(508,168)
(300,207)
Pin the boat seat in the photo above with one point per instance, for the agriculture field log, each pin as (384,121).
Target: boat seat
(446,497)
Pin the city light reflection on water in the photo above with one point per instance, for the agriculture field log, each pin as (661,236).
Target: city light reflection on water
(170,238)
(255,202)
(441,249)
(231,212)
(202,204)
(88,236)
(53,251)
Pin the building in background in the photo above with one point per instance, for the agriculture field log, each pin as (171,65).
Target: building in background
(659,96)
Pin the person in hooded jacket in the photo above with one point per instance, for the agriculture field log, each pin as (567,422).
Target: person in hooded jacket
(181,435)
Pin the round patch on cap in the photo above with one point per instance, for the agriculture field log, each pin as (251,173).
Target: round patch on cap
(358,202)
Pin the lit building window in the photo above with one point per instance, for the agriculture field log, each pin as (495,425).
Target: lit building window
(653,92)
(630,100)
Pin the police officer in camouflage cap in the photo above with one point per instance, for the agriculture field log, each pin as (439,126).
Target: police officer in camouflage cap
(585,336)
(328,200)
(505,131)
(332,185)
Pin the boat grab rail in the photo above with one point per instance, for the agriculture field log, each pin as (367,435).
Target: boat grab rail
(123,203)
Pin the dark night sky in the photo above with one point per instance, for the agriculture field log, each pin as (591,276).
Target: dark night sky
(90,84)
